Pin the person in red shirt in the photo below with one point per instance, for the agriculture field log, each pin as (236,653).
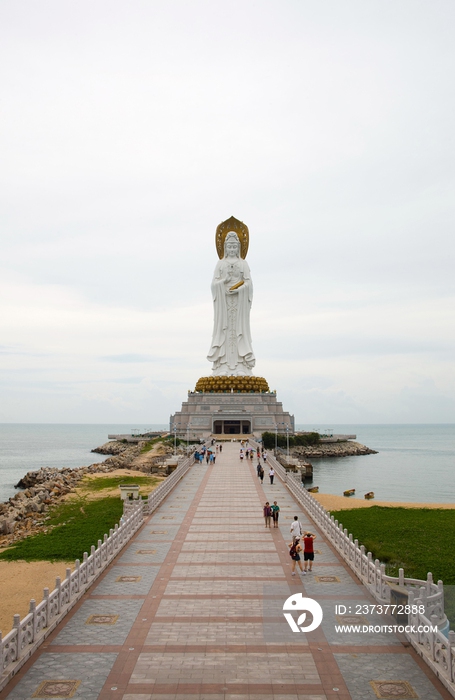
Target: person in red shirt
(308,551)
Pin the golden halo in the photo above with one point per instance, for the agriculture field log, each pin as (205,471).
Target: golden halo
(239,228)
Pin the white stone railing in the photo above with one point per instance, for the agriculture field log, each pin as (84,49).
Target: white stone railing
(159,494)
(27,634)
(435,648)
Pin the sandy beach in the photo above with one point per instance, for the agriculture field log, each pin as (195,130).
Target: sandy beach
(20,581)
(331,502)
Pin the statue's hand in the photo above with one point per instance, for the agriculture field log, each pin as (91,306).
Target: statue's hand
(235,287)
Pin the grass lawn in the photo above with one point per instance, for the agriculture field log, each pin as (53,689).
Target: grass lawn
(417,539)
(79,522)
(102,483)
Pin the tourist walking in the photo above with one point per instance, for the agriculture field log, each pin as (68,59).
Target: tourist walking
(261,475)
(221,448)
(294,551)
(258,468)
(267,514)
(271,475)
(308,551)
(296,529)
(264,457)
(275,513)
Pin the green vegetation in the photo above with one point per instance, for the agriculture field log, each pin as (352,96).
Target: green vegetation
(77,525)
(101,483)
(168,439)
(151,444)
(268,440)
(417,539)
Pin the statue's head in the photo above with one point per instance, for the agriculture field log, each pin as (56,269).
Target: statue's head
(232,245)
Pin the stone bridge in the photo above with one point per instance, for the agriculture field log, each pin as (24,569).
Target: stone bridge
(192,608)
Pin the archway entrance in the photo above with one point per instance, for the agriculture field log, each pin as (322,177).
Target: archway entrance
(232,427)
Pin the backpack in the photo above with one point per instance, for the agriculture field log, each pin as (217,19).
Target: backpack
(293,550)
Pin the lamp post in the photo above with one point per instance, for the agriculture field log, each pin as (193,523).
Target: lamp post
(188,439)
(175,439)
(287,440)
(276,437)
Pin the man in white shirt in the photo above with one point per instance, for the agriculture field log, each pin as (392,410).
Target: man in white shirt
(296,529)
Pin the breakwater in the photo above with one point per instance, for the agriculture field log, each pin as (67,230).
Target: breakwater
(348,448)
(25,513)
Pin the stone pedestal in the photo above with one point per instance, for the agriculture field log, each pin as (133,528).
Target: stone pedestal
(230,415)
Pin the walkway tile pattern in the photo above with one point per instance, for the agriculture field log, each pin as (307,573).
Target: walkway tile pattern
(196,604)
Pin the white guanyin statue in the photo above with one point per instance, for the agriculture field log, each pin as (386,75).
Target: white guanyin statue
(231,351)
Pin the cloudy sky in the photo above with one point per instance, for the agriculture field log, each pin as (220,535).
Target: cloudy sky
(128,131)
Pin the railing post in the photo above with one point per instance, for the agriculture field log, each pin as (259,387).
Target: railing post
(451,656)
(32,610)
(17,627)
(46,598)
(78,574)
(434,622)
(58,585)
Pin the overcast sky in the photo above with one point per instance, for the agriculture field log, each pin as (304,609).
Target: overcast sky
(130,130)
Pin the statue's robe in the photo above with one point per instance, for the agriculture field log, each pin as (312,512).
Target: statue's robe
(231,351)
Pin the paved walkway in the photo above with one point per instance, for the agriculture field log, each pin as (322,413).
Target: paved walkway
(192,608)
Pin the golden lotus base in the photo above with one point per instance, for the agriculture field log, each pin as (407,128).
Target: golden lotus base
(223,384)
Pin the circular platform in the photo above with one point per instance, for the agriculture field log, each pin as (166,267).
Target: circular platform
(220,385)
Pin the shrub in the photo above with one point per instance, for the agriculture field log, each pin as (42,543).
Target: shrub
(268,440)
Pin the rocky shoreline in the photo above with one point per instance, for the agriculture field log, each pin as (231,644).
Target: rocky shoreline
(25,513)
(347,448)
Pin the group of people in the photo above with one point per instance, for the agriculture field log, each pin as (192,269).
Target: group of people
(247,453)
(261,473)
(295,547)
(271,513)
(208,454)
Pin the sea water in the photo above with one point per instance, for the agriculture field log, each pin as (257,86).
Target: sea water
(29,446)
(414,462)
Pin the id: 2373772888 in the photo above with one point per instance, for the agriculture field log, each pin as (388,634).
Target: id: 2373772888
(378,609)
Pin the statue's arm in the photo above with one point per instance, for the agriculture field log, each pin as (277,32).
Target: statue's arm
(248,280)
(217,281)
